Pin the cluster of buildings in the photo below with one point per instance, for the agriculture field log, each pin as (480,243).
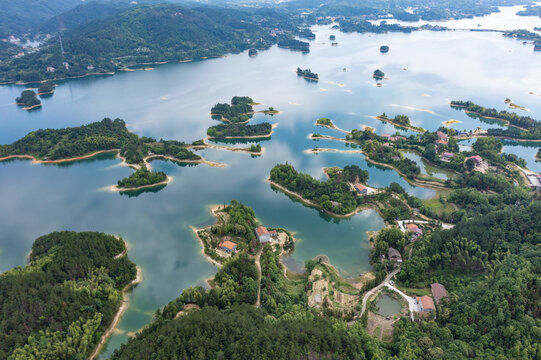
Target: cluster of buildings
(443,139)
(263,236)
(416,231)
(426,304)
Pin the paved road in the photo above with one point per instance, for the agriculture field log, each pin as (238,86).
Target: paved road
(412,303)
(376,289)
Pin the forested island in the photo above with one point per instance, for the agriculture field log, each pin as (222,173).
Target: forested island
(293,44)
(521,127)
(378,74)
(28,100)
(222,131)
(46,88)
(307,74)
(384,49)
(66,297)
(525,35)
(235,118)
(252,52)
(142,178)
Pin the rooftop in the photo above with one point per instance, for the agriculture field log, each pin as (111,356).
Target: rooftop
(360,187)
(261,230)
(227,244)
(438,291)
(426,302)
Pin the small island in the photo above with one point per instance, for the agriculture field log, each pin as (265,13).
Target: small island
(384,49)
(378,74)
(307,74)
(538,155)
(402,121)
(235,118)
(141,179)
(240,110)
(237,131)
(332,37)
(46,88)
(326,122)
(28,100)
(252,52)
(294,45)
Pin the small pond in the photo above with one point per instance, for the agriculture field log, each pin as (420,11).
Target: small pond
(388,306)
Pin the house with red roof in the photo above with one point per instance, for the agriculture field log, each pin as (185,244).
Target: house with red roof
(477,159)
(426,303)
(438,291)
(227,246)
(414,229)
(361,189)
(263,235)
(442,135)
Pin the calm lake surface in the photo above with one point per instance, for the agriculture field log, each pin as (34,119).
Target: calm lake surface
(425,70)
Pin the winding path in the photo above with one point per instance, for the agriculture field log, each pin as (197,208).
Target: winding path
(258,265)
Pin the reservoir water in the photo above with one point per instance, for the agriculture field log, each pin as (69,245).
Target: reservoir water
(425,70)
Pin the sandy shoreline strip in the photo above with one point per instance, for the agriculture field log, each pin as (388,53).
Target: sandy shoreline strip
(121,309)
(36,161)
(390,121)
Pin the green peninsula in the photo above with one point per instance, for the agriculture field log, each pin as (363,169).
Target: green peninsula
(66,297)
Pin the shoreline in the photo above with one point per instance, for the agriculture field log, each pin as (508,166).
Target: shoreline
(115,188)
(333,127)
(123,306)
(213,209)
(227,148)
(486,117)
(415,182)
(36,161)
(390,121)
(475,136)
(167,157)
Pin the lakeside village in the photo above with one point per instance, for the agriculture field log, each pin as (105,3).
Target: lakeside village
(237,239)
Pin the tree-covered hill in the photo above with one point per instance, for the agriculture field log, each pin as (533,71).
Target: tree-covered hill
(82,14)
(19,17)
(59,305)
(146,34)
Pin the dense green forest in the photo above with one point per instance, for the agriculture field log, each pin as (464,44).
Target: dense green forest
(378,74)
(334,195)
(293,44)
(46,88)
(491,264)
(149,33)
(524,127)
(59,305)
(18,17)
(238,111)
(239,130)
(28,99)
(142,177)
(54,144)
(82,14)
